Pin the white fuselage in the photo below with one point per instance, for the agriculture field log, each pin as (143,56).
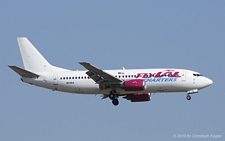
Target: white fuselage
(157,80)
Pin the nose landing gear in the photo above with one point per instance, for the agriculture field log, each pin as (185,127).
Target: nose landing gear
(188,97)
(191,92)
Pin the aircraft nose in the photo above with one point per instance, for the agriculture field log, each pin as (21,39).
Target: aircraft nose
(208,82)
(204,82)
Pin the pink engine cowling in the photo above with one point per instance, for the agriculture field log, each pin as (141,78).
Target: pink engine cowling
(139,97)
(134,85)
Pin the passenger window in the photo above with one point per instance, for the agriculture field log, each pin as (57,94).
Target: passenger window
(64,78)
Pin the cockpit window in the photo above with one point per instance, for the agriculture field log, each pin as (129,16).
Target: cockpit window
(197,74)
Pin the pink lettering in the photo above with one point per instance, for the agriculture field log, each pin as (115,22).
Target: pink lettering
(167,74)
(145,75)
(176,74)
(139,75)
(158,74)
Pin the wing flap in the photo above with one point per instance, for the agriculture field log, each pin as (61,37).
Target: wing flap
(23,73)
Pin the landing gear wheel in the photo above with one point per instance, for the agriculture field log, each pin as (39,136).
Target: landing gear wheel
(188,97)
(112,94)
(115,102)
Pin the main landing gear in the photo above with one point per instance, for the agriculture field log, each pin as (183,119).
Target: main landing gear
(188,97)
(114,97)
(115,102)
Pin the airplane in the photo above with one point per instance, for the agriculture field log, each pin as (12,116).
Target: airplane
(136,85)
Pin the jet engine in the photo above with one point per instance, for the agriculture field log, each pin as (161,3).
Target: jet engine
(134,85)
(138,97)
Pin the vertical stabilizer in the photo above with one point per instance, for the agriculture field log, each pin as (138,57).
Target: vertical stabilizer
(32,59)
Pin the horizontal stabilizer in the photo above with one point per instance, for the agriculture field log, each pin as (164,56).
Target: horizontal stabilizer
(23,73)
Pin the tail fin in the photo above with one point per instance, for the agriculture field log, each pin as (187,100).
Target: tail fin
(33,61)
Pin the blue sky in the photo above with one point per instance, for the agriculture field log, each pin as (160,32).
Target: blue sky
(112,35)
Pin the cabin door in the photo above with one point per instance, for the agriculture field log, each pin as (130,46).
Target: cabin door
(183,76)
(55,79)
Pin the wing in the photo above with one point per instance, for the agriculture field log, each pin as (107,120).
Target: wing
(99,76)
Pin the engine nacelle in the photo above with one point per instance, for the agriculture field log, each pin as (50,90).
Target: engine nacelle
(134,85)
(139,97)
